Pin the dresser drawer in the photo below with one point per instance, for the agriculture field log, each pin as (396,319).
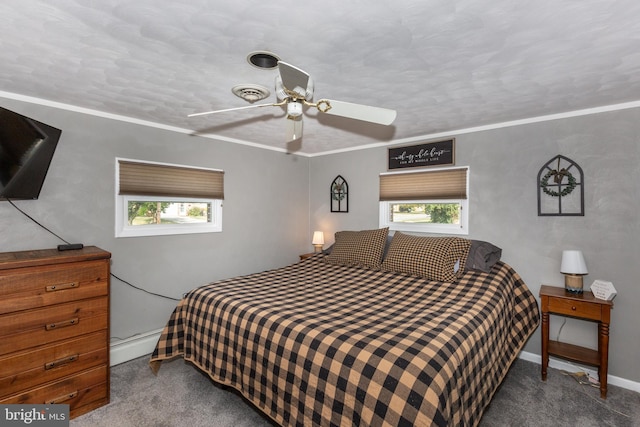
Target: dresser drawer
(79,390)
(29,329)
(25,288)
(22,370)
(568,307)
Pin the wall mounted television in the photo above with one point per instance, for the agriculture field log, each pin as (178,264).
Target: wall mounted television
(26,150)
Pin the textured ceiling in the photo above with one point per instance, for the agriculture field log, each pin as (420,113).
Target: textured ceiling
(442,64)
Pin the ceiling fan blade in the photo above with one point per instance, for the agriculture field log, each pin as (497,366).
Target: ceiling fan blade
(293,78)
(367,113)
(232,109)
(294,128)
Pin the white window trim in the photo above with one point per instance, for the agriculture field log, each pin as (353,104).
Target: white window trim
(123,229)
(462,228)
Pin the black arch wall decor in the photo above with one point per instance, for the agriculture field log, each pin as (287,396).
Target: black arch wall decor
(560,188)
(339,191)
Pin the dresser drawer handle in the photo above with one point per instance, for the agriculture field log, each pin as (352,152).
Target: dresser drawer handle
(62,286)
(573,308)
(62,398)
(60,362)
(64,323)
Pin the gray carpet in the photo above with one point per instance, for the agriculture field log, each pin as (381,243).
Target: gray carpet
(181,396)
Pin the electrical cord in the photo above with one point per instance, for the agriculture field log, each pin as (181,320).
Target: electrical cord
(33,219)
(65,241)
(144,290)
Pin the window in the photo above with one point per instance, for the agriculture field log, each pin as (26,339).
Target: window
(433,201)
(160,199)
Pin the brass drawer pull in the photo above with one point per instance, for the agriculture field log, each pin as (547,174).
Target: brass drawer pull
(64,323)
(62,286)
(60,362)
(62,398)
(573,308)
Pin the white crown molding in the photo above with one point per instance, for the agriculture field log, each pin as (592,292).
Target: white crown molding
(421,138)
(546,118)
(98,113)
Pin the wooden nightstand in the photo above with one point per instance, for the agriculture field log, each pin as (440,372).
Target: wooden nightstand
(584,306)
(305,256)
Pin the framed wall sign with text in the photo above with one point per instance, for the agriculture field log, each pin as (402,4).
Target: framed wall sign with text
(439,153)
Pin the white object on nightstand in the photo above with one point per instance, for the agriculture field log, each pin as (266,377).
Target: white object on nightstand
(603,290)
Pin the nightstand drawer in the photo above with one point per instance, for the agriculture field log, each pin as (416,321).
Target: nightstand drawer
(569,307)
(28,329)
(23,288)
(20,371)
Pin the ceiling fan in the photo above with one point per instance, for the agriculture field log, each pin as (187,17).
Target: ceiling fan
(294,89)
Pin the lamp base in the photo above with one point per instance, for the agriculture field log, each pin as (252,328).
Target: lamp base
(573,283)
(317,248)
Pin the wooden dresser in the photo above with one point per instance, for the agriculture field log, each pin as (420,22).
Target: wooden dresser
(54,328)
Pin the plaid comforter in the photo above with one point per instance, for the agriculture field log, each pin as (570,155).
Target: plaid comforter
(327,345)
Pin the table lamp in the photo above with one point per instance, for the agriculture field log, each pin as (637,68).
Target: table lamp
(573,267)
(318,241)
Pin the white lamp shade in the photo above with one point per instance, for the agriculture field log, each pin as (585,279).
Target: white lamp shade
(573,263)
(318,238)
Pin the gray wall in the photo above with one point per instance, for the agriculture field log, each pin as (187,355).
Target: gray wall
(504,164)
(274,201)
(265,214)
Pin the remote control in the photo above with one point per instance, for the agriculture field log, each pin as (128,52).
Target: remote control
(70,247)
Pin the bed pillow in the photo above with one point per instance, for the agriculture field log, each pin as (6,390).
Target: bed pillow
(384,253)
(358,248)
(434,258)
(482,256)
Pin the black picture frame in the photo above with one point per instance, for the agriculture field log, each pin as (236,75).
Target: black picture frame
(436,153)
(339,195)
(560,184)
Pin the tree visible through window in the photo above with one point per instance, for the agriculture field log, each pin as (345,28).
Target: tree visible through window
(432,201)
(434,213)
(157,212)
(161,199)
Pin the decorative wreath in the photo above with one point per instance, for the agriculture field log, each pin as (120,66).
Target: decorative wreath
(557,177)
(338,191)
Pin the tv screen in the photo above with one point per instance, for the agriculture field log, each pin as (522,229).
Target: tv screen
(26,150)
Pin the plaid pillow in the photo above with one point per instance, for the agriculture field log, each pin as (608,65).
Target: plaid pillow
(434,258)
(359,248)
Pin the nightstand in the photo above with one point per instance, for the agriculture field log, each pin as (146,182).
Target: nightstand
(584,306)
(305,256)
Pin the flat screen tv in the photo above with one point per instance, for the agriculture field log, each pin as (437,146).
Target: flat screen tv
(26,150)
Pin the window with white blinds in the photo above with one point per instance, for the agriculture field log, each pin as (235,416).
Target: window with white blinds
(434,201)
(159,198)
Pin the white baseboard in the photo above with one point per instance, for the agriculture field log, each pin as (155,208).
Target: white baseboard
(570,367)
(143,344)
(134,347)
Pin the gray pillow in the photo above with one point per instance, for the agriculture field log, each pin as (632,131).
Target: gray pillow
(482,256)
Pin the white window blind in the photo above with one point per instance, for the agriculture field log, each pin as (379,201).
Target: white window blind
(152,179)
(424,185)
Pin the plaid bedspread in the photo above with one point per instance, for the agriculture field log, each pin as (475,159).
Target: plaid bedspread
(314,344)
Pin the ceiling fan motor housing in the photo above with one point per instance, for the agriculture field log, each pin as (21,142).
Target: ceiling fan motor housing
(282,93)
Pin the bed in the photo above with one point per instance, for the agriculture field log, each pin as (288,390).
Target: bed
(412,331)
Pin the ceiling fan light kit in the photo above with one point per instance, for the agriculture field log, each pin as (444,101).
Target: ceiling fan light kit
(294,109)
(294,88)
